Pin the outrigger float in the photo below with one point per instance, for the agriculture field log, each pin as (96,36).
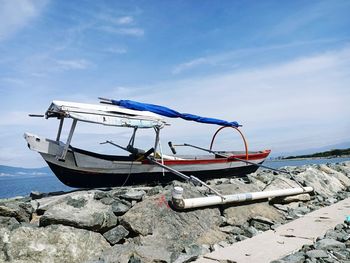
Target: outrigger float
(85,169)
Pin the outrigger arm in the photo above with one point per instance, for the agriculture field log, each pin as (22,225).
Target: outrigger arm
(242,160)
(190,178)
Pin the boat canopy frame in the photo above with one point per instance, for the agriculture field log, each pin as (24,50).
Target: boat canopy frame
(129,148)
(108,115)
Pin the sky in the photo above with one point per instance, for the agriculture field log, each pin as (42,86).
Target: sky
(279,68)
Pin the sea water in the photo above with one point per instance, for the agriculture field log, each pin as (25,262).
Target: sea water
(21,183)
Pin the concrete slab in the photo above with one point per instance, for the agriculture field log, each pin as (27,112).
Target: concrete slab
(286,239)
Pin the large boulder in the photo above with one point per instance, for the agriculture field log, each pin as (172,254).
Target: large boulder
(51,244)
(135,253)
(9,222)
(80,210)
(324,183)
(20,209)
(332,171)
(239,213)
(116,234)
(342,167)
(284,182)
(160,225)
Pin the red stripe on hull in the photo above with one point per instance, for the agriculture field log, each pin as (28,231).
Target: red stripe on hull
(252,157)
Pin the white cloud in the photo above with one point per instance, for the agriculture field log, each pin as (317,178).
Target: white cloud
(124,20)
(113,19)
(191,64)
(72,64)
(127,31)
(116,50)
(304,100)
(312,12)
(13,81)
(16,14)
(233,57)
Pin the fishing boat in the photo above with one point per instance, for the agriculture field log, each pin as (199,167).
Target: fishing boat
(81,168)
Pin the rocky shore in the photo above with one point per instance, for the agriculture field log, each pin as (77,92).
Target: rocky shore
(140,225)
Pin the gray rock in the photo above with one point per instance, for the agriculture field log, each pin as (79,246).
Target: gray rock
(329,244)
(46,203)
(196,249)
(192,253)
(302,210)
(107,200)
(316,253)
(36,195)
(319,198)
(186,258)
(323,182)
(120,207)
(297,257)
(261,223)
(260,226)
(281,207)
(116,234)
(98,195)
(339,227)
(234,230)
(4,240)
(161,226)
(134,259)
(80,211)
(53,244)
(79,202)
(331,200)
(135,195)
(9,222)
(337,235)
(155,190)
(263,220)
(240,213)
(250,231)
(240,238)
(293,198)
(342,254)
(134,253)
(20,210)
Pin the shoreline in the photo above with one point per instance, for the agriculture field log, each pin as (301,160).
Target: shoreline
(308,158)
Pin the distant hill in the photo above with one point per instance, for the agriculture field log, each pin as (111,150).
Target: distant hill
(310,151)
(19,171)
(330,153)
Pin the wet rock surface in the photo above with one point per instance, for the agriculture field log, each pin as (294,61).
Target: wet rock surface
(140,225)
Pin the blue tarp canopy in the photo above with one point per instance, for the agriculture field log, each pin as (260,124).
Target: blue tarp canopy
(164,111)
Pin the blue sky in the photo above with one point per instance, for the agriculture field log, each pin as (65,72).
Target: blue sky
(281,68)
